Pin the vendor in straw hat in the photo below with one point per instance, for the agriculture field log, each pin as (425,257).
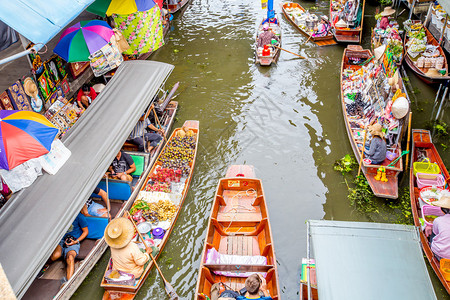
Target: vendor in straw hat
(126,255)
(384,22)
(440,236)
(376,150)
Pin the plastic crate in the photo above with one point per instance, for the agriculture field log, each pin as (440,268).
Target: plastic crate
(426,166)
(424,179)
(444,266)
(429,210)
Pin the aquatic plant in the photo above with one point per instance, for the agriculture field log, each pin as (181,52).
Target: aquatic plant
(345,164)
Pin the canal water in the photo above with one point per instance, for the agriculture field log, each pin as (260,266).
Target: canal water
(286,120)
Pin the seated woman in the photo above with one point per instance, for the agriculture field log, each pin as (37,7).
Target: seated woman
(376,152)
(85,96)
(384,22)
(266,37)
(122,167)
(323,28)
(440,237)
(125,255)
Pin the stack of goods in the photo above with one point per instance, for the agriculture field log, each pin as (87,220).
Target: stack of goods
(303,19)
(422,52)
(391,38)
(344,13)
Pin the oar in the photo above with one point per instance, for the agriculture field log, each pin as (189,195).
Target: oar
(407,141)
(167,286)
(362,152)
(310,36)
(289,51)
(159,124)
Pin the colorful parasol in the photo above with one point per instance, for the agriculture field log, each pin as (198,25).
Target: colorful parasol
(23,135)
(120,7)
(82,39)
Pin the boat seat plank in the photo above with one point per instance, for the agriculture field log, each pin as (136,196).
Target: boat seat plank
(239,207)
(43,289)
(55,271)
(240,268)
(324,43)
(239,245)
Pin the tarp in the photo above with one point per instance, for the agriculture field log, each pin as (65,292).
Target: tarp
(34,220)
(369,261)
(38,20)
(7,36)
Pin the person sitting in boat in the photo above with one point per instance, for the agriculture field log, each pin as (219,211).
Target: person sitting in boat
(94,209)
(384,22)
(323,28)
(376,151)
(69,246)
(125,255)
(266,37)
(139,134)
(122,166)
(440,236)
(271,18)
(85,96)
(256,286)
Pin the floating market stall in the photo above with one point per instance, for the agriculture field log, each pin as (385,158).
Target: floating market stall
(159,203)
(373,92)
(423,54)
(347,17)
(390,40)
(305,22)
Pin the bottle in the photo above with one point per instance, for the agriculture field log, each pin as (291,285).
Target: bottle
(266,51)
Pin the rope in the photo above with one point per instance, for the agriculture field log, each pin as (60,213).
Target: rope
(233,209)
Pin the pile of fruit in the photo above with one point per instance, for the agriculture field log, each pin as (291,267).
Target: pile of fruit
(153,212)
(166,175)
(179,153)
(158,187)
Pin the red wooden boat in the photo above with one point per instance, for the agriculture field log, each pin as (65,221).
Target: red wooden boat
(275,52)
(238,226)
(380,189)
(422,146)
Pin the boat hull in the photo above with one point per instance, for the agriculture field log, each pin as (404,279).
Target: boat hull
(267,60)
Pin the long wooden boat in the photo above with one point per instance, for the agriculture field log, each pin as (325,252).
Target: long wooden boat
(275,52)
(380,189)
(422,72)
(378,41)
(116,291)
(422,146)
(48,285)
(348,34)
(288,7)
(173,8)
(238,226)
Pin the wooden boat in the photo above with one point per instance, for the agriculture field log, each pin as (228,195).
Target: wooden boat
(238,225)
(347,34)
(116,291)
(377,41)
(380,189)
(422,146)
(173,8)
(319,40)
(121,199)
(275,52)
(422,72)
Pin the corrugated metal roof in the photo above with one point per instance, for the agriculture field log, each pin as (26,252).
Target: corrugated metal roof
(367,261)
(34,220)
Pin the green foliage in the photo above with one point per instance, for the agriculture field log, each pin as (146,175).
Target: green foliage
(345,164)
(401,207)
(385,2)
(361,196)
(440,129)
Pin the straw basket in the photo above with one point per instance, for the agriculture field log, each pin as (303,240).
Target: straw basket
(425,166)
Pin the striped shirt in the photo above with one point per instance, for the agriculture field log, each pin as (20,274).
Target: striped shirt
(139,129)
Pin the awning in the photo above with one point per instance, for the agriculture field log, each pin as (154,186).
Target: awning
(34,220)
(369,261)
(39,21)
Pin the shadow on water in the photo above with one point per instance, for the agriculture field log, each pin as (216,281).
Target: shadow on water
(285,120)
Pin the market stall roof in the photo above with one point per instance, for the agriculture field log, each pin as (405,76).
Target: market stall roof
(39,21)
(369,261)
(35,219)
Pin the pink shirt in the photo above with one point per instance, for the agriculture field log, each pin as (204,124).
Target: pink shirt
(441,242)
(384,23)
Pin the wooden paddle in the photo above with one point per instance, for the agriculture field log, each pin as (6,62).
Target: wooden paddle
(159,124)
(167,286)
(289,51)
(310,36)
(407,142)
(362,152)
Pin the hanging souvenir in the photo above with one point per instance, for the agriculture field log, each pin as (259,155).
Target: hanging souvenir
(61,66)
(32,91)
(5,102)
(65,86)
(18,97)
(53,71)
(36,61)
(45,85)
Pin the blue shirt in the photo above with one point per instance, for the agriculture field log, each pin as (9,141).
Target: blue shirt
(77,225)
(260,298)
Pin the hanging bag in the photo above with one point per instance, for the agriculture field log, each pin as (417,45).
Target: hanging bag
(119,41)
(105,59)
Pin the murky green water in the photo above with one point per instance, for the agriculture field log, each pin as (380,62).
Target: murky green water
(285,120)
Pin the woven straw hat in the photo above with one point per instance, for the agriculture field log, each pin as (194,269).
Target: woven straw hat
(376,129)
(394,79)
(379,52)
(400,107)
(119,233)
(387,11)
(433,73)
(341,23)
(30,87)
(444,201)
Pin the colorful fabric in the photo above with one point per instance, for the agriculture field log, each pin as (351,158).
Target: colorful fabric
(143,30)
(18,97)
(5,101)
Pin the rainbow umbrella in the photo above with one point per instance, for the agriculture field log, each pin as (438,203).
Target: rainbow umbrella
(23,135)
(82,39)
(120,7)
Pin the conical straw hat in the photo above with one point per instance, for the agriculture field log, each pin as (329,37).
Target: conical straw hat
(119,233)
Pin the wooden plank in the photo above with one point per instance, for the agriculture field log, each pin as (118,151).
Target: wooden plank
(255,250)
(240,268)
(249,245)
(223,245)
(235,245)
(240,245)
(230,245)
(244,245)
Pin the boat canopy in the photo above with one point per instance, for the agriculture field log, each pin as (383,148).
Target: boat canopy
(35,219)
(356,260)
